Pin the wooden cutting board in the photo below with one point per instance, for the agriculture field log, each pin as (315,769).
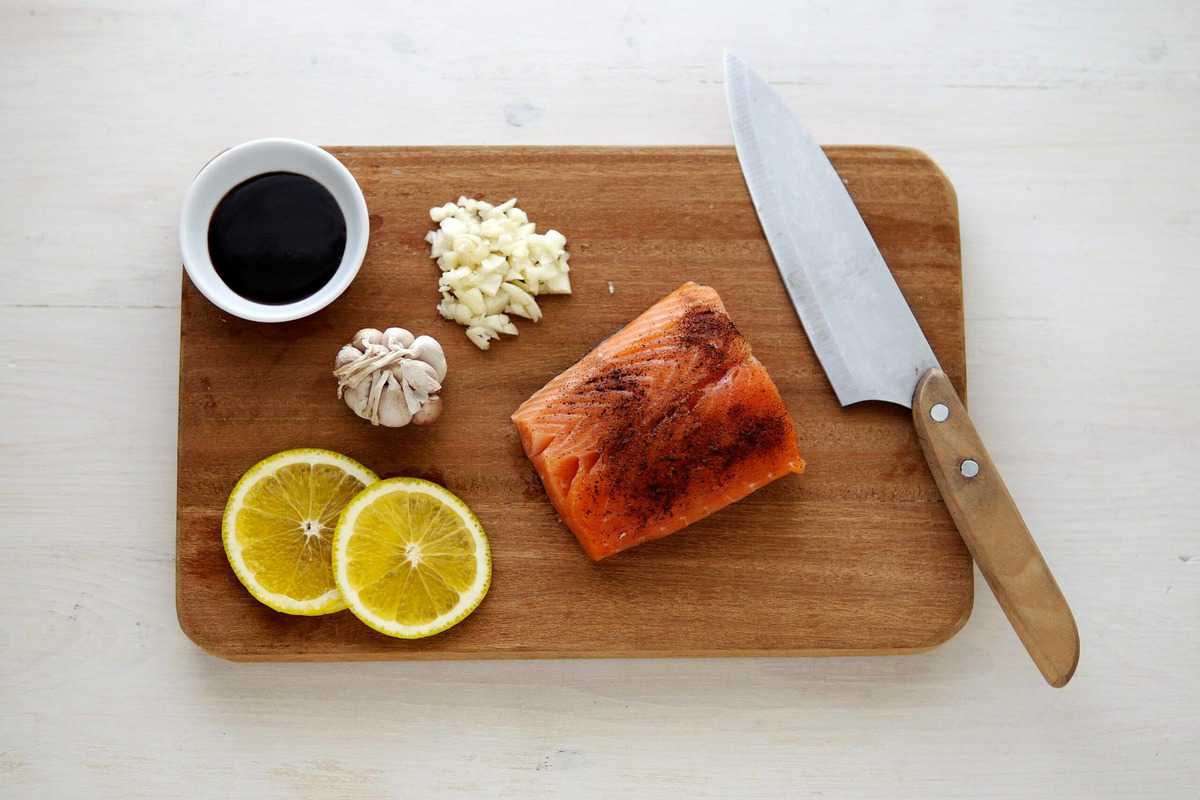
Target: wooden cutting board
(857,556)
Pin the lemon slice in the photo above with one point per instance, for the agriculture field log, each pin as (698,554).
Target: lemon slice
(410,558)
(278,527)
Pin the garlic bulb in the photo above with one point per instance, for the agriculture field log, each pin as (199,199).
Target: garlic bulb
(391,377)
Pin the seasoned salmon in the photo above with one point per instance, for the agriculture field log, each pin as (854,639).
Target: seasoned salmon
(667,421)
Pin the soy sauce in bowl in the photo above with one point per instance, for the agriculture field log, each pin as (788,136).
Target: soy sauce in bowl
(277,238)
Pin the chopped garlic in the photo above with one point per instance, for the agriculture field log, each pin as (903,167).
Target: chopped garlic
(493,266)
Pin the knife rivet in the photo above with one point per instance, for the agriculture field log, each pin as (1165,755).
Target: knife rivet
(969,468)
(939,412)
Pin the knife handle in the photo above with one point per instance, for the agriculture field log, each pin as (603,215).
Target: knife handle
(991,525)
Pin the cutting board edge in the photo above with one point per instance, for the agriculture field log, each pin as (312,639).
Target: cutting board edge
(245,656)
(211,642)
(239,653)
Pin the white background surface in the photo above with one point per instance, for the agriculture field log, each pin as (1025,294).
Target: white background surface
(1070,130)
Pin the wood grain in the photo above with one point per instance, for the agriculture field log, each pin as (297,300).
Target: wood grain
(857,556)
(993,529)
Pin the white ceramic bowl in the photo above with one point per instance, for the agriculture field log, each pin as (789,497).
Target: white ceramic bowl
(240,163)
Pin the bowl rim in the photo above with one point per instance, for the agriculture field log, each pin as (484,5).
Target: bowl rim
(239,163)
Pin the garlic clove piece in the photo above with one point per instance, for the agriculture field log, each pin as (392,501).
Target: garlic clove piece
(429,412)
(559,284)
(356,398)
(349,353)
(393,335)
(422,376)
(480,336)
(368,336)
(419,381)
(393,410)
(495,304)
(473,299)
(428,350)
(500,323)
(462,314)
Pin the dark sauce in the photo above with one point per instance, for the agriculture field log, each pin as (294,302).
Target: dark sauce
(277,238)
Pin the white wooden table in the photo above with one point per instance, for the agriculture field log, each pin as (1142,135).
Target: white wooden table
(1071,132)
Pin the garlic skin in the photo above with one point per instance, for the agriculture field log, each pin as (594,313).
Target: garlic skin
(429,412)
(391,377)
(493,263)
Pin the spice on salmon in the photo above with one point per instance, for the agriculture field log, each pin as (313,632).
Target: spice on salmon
(667,421)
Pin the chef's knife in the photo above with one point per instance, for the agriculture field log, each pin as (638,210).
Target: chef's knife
(871,348)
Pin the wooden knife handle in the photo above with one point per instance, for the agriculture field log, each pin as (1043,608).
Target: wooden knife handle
(991,525)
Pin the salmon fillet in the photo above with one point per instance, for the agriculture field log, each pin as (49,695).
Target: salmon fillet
(667,421)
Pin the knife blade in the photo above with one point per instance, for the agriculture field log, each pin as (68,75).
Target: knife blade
(871,348)
(858,322)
